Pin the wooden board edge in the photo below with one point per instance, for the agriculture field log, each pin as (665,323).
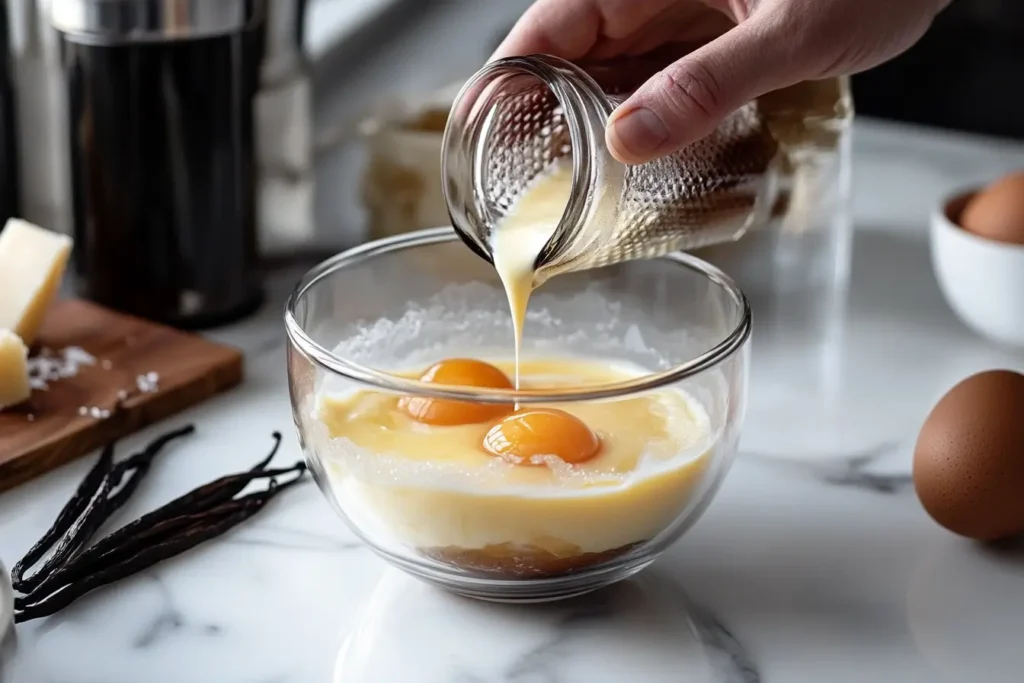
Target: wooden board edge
(120,425)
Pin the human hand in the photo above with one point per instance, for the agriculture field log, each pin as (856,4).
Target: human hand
(748,48)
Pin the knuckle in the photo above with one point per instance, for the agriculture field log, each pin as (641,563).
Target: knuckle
(692,87)
(810,42)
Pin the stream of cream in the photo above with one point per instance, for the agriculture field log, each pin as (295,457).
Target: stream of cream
(521,236)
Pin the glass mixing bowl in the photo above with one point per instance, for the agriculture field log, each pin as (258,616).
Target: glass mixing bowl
(357,321)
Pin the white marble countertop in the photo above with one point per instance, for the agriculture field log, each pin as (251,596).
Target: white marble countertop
(810,566)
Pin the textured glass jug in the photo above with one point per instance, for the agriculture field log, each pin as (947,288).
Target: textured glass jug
(517,116)
(766,198)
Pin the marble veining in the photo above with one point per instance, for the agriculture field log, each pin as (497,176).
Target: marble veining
(294,539)
(847,470)
(815,564)
(729,659)
(168,618)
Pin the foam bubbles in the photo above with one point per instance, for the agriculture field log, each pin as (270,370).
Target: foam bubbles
(474,316)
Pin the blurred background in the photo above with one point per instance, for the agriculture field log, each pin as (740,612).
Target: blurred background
(370,60)
(965,74)
(340,105)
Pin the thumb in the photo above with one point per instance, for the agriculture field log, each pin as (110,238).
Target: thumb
(688,99)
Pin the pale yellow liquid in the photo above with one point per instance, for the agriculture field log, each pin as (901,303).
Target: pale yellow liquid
(516,243)
(652,461)
(658,424)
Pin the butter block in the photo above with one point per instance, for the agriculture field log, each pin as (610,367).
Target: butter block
(14,384)
(32,263)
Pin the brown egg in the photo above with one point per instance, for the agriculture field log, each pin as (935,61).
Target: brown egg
(997,212)
(969,458)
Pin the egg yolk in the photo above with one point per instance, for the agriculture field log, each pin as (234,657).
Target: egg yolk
(526,434)
(460,372)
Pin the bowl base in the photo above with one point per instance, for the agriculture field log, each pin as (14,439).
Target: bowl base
(523,591)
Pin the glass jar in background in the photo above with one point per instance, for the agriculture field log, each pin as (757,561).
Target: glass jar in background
(283,113)
(401,184)
(795,270)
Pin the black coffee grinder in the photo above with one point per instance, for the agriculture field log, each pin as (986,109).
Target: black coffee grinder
(161,116)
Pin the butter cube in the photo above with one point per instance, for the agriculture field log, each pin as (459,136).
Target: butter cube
(32,263)
(14,384)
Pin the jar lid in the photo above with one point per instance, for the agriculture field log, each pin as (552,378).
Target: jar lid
(107,22)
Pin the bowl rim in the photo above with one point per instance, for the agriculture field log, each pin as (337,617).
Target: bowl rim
(947,214)
(394,383)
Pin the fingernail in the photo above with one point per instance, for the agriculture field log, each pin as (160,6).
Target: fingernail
(639,133)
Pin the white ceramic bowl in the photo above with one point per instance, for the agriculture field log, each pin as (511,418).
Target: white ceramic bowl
(982,280)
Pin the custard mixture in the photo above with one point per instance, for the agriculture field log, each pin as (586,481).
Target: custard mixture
(557,485)
(544,489)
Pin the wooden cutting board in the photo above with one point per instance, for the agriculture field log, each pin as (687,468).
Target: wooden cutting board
(141,373)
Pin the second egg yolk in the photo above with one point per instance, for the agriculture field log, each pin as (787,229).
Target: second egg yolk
(465,372)
(528,434)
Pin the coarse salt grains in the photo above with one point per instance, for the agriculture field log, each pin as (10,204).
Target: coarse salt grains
(148,383)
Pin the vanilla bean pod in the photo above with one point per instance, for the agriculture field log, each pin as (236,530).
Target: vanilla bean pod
(169,518)
(161,521)
(85,492)
(115,547)
(213,523)
(224,488)
(113,492)
(137,466)
(81,568)
(166,519)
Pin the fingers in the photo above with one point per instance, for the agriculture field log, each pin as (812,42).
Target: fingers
(571,29)
(688,99)
(670,24)
(564,28)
